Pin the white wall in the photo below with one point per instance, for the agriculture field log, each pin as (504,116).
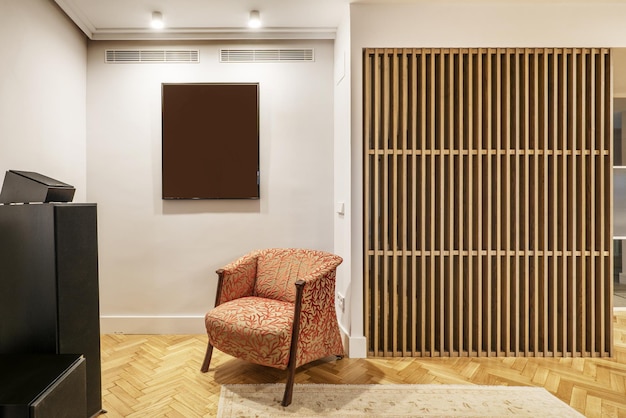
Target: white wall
(42,92)
(489,23)
(158,258)
(455,23)
(349,285)
(353,307)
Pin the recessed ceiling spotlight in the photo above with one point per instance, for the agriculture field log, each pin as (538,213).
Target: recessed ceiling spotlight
(255,19)
(157,20)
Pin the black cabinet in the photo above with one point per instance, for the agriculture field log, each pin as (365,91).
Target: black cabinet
(49,299)
(42,386)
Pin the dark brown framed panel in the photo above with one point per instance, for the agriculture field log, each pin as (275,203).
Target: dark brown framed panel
(210,142)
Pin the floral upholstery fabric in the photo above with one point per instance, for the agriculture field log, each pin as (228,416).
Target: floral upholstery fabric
(239,278)
(254,317)
(233,327)
(278,271)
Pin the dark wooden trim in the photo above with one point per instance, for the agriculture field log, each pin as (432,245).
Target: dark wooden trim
(218,294)
(220,282)
(294,344)
(207,358)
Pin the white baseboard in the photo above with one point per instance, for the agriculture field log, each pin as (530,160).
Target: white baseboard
(152,325)
(356,347)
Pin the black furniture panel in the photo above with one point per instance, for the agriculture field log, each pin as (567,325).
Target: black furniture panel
(26,186)
(42,386)
(49,299)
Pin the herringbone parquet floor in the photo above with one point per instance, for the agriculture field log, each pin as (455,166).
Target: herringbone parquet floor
(158,375)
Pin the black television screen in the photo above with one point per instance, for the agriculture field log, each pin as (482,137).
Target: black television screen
(210,144)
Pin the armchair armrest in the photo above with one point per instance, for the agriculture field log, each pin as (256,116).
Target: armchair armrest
(319,292)
(236,280)
(318,328)
(322,272)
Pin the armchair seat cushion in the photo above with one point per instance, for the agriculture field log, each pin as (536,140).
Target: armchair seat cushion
(254,329)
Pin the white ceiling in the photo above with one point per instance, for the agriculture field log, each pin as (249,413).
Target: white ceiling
(224,19)
(205,19)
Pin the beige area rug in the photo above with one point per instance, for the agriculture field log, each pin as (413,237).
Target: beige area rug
(318,400)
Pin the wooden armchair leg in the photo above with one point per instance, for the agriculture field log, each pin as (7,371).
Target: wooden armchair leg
(293,350)
(289,385)
(207,358)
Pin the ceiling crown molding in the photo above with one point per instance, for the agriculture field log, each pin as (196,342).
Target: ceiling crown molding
(226,33)
(193,34)
(77,16)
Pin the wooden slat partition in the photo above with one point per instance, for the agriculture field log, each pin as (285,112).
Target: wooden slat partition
(488,202)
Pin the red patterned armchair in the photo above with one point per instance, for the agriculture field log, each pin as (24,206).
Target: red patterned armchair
(276,307)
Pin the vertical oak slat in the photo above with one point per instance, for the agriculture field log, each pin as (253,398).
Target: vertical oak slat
(590,188)
(424,348)
(372,81)
(394,299)
(386,200)
(431,175)
(471,248)
(562,198)
(460,192)
(572,79)
(368,117)
(488,209)
(544,211)
(516,133)
(604,262)
(376,204)
(478,130)
(608,196)
(441,209)
(450,148)
(487,179)
(581,181)
(413,94)
(554,212)
(497,132)
(607,160)
(524,192)
(535,336)
(404,318)
(507,224)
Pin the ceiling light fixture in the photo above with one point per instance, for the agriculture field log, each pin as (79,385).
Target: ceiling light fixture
(157,20)
(255,19)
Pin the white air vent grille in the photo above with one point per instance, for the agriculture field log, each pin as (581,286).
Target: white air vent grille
(152,56)
(266,55)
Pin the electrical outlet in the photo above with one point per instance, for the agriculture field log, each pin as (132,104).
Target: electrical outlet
(341,302)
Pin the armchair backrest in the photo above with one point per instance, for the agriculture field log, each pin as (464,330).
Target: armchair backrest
(278,269)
